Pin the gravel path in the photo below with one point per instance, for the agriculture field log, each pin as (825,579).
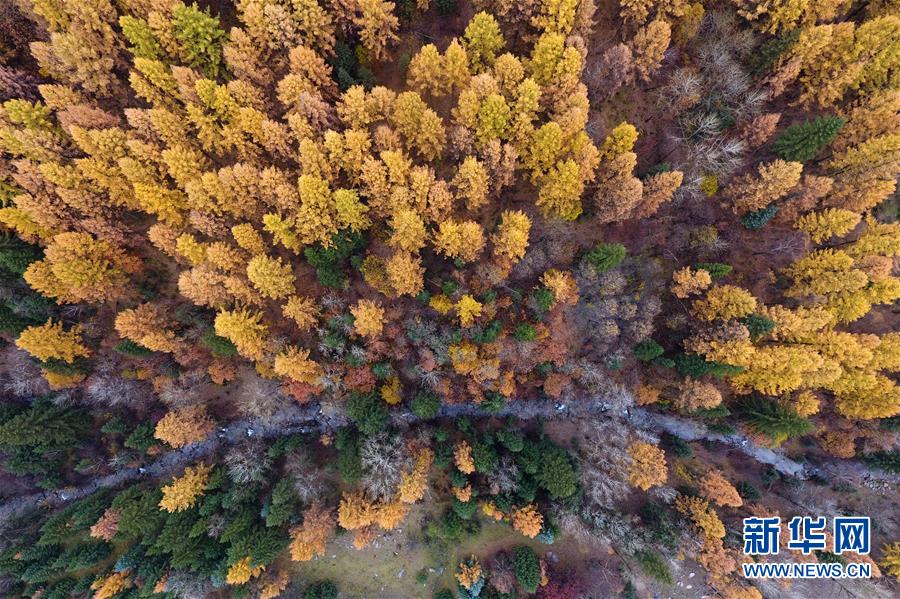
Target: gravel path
(298,419)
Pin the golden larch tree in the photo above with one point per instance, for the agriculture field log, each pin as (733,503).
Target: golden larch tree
(715,487)
(182,493)
(149,326)
(528,521)
(511,239)
(184,426)
(368,318)
(648,465)
(50,341)
(245,329)
(309,538)
(272,277)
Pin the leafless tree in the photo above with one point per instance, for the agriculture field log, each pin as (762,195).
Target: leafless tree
(259,398)
(384,458)
(248,462)
(21,376)
(611,71)
(307,477)
(505,477)
(604,461)
(187,585)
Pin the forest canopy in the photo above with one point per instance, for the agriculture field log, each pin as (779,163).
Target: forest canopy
(284,283)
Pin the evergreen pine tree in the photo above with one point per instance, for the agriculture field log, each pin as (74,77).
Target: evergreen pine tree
(889,461)
(771,418)
(45,425)
(606,256)
(527,568)
(801,142)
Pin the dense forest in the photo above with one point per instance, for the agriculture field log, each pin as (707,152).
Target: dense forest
(445,298)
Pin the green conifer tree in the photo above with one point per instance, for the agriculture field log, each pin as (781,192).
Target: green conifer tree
(801,142)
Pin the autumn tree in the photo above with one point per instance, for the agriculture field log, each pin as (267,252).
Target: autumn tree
(271,276)
(463,240)
(414,483)
(528,521)
(462,456)
(724,302)
(715,487)
(614,69)
(470,576)
(149,326)
(830,222)
(51,341)
(248,238)
(377,26)
(702,515)
(421,126)
(245,329)
(648,47)
(772,182)
(294,363)
(560,192)
(76,267)
(482,40)
(408,231)
(107,587)
(355,511)
(83,48)
(471,183)
(823,272)
(106,527)
(511,239)
(405,273)
(455,71)
(688,281)
(891,559)
(368,318)
(468,308)
(658,190)
(182,493)
(648,465)
(621,139)
(241,571)
(302,310)
(562,284)
(425,71)
(834,58)
(184,426)
(695,395)
(309,538)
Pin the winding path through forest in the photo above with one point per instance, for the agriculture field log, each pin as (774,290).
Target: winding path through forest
(296,419)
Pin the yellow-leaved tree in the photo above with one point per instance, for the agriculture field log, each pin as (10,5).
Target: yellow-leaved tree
(184,426)
(368,318)
(461,240)
(405,273)
(294,363)
(528,521)
(149,326)
(245,329)
(482,41)
(182,493)
(511,239)
(271,276)
(648,465)
(76,267)
(308,539)
(715,487)
(50,341)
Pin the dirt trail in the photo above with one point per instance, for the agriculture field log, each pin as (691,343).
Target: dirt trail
(308,419)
